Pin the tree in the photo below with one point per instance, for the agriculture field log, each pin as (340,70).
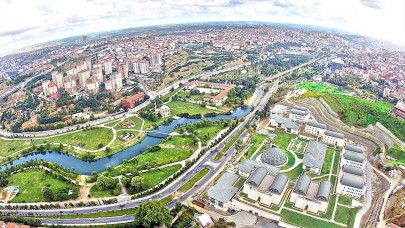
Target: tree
(152,213)
(104,182)
(137,183)
(47,194)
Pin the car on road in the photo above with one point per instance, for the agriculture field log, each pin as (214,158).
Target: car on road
(160,195)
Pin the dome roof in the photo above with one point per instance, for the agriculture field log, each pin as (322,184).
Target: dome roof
(274,156)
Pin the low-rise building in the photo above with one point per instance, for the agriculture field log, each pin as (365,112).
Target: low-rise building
(132,101)
(278,110)
(311,196)
(299,114)
(163,111)
(399,110)
(315,128)
(351,185)
(353,159)
(314,157)
(265,187)
(288,125)
(333,138)
(222,192)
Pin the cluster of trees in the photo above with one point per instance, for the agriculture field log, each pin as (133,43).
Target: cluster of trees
(282,62)
(59,194)
(133,184)
(108,183)
(149,115)
(152,214)
(19,219)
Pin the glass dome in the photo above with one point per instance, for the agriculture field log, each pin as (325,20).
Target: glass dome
(274,156)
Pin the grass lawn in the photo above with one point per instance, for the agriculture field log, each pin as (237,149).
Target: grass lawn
(194,97)
(346,215)
(190,183)
(207,133)
(179,107)
(301,220)
(31,182)
(129,211)
(92,138)
(152,159)
(345,200)
(336,163)
(112,123)
(97,193)
(137,120)
(167,199)
(315,87)
(178,141)
(327,162)
(257,140)
(397,152)
(283,139)
(295,173)
(154,177)
(240,182)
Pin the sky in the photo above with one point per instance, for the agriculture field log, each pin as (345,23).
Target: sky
(27,22)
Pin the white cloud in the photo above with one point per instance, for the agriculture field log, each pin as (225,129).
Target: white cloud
(25,23)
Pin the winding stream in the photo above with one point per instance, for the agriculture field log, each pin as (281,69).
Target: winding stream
(86,167)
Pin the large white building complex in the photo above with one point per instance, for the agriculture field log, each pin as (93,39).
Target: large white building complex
(334,138)
(266,187)
(223,191)
(311,196)
(315,128)
(351,179)
(299,114)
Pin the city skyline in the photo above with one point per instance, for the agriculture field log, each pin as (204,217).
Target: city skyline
(42,21)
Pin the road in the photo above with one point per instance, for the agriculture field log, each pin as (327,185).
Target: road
(204,162)
(122,115)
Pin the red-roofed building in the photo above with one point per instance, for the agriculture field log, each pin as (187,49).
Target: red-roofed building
(217,99)
(131,101)
(399,110)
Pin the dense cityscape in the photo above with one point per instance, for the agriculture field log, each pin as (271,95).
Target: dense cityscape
(226,124)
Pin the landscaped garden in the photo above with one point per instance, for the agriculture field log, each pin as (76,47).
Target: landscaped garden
(32,181)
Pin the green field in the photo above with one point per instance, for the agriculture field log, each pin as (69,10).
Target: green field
(206,133)
(151,159)
(154,177)
(194,97)
(327,164)
(295,173)
(283,139)
(179,107)
(257,140)
(346,215)
(190,183)
(94,192)
(31,183)
(345,200)
(301,220)
(323,88)
(137,120)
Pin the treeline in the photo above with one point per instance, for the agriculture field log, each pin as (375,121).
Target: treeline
(281,63)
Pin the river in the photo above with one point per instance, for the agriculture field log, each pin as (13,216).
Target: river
(86,167)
